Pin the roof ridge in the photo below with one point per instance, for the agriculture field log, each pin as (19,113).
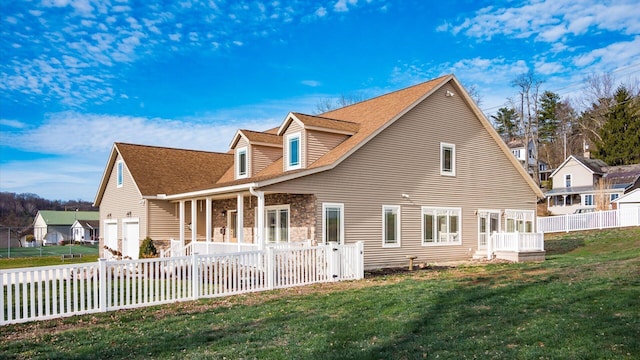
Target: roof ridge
(326,118)
(389,93)
(170,148)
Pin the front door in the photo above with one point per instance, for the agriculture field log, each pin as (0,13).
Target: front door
(488,222)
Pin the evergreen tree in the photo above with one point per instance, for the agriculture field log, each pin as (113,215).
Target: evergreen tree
(505,123)
(548,121)
(620,139)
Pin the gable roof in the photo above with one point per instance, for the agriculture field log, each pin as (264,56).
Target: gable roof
(162,170)
(595,166)
(88,224)
(626,175)
(54,217)
(362,121)
(257,138)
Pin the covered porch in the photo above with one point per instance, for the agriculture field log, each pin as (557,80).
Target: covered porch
(244,221)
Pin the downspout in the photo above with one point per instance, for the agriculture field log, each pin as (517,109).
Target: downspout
(260,220)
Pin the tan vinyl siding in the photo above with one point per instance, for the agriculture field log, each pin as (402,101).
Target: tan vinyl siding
(580,176)
(164,222)
(293,128)
(405,158)
(118,201)
(319,143)
(263,156)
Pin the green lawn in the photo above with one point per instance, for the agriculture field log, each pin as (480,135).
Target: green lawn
(582,303)
(48,255)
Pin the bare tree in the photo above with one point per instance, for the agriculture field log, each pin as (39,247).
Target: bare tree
(328,104)
(596,101)
(527,106)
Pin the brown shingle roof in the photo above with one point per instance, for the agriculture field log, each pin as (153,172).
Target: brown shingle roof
(262,137)
(327,123)
(161,170)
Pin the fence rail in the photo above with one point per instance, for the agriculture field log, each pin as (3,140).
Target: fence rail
(66,290)
(590,221)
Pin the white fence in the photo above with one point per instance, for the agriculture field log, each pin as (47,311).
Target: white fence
(66,290)
(590,221)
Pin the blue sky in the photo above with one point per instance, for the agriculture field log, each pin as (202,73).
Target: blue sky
(78,75)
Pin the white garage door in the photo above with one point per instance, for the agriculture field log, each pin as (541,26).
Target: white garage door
(131,239)
(111,238)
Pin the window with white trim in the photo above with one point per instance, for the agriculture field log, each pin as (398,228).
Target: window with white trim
(242,163)
(441,226)
(294,160)
(277,223)
(588,199)
(332,223)
(120,173)
(567,180)
(519,220)
(390,225)
(447,159)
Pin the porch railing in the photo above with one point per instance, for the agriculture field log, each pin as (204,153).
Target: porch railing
(516,242)
(57,291)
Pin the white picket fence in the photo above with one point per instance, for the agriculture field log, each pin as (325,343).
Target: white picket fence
(590,221)
(58,291)
(515,242)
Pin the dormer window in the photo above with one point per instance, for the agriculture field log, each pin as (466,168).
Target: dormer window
(294,160)
(241,163)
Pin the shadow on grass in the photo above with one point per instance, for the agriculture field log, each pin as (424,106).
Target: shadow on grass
(562,246)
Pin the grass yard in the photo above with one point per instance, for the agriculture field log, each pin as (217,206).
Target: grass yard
(48,255)
(582,303)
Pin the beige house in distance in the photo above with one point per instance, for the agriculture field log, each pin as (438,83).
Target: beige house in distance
(416,172)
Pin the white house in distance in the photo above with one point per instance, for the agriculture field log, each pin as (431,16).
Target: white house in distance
(51,227)
(526,155)
(584,183)
(86,231)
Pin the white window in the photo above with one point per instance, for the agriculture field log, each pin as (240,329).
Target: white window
(519,220)
(241,163)
(293,160)
(332,223)
(613,197)
(120,173)
(390,225)
(441,226)
(277,223)
(447,159)
(588,199)
(567,180)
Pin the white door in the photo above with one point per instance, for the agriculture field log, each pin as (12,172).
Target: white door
(131,239)
(110,238)
(488,222)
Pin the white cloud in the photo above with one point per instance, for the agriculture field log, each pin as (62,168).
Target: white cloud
(13,123)
(321,12)
(612,56)
(311,83)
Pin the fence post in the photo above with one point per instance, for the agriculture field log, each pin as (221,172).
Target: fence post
(195,276)
(490,245)
(102,284)
(270,258)
(360,259)
(332,259)
(566,222)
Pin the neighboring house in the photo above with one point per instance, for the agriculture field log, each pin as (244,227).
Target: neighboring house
(51,227)
(416,172)
(86,231)
(584,183)
(527,156)
(628,200)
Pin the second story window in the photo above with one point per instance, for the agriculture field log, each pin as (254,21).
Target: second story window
(447,159)
(293,152)
(241,163)
(120,173)
(567,180)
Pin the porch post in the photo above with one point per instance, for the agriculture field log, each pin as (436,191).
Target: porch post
(240,221)
(181,215)
(208,206)
(260,219)
(194,221)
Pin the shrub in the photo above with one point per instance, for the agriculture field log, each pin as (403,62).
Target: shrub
(147,249)
(30,238)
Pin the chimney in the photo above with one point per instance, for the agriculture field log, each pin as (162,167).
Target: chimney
(585,147)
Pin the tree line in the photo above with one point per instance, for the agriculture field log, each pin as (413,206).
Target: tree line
(605,120)
(19,210)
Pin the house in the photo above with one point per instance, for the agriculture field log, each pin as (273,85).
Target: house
(581,182)
(50,226)
(526,157)
(409,173)
(86,231)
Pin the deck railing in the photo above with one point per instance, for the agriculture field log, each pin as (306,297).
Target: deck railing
(590,221)
(66,290)
(516,242)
